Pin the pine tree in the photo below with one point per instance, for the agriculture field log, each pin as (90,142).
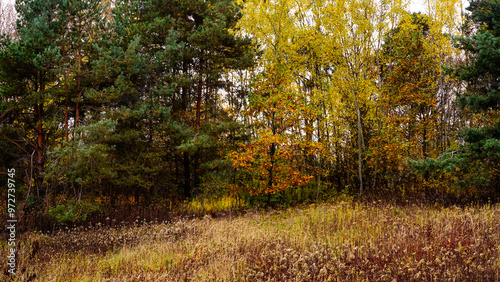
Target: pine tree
(482,75)
(199,50)
(155,89)
(29,84)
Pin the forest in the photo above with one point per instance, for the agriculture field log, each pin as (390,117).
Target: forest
(249,140)
(159,103)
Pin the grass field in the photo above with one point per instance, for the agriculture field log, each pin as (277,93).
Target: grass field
(344,241)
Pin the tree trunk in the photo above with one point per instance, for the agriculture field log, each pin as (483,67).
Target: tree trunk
(40,150)
(66,116)
(78,78)
(360,145)
(198,100)
(187,176)
(272,151)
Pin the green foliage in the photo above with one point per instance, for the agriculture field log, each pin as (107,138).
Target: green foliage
(135,110)
(147,100)
(458,173)
(73,211)
(87,160)
(175,57)
(482,74)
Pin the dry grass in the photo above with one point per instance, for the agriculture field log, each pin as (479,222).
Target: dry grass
(332,242)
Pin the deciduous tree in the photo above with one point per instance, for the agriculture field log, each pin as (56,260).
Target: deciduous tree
(276,159)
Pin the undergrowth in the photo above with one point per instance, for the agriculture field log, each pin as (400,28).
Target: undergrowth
(344,241)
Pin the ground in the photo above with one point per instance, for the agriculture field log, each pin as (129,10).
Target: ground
(341,241)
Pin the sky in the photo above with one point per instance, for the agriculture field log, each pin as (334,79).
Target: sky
(417,6)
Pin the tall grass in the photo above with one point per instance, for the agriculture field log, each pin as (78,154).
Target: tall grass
(345,241)
(213,206)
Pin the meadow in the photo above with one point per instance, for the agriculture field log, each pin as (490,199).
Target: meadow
(338,241)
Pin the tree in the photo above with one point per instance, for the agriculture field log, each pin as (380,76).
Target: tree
(156,90)
(330,48)
(416,99)
(355,80)
(481,151)
(409,90)
(275,160)
(29,85)
(190,47)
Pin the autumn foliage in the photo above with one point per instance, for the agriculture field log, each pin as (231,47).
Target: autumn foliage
(276,159)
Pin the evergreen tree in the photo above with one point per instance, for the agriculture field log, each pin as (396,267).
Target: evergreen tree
(29,86)
(45,78)
(482,75)
(189,47)
(156,99)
